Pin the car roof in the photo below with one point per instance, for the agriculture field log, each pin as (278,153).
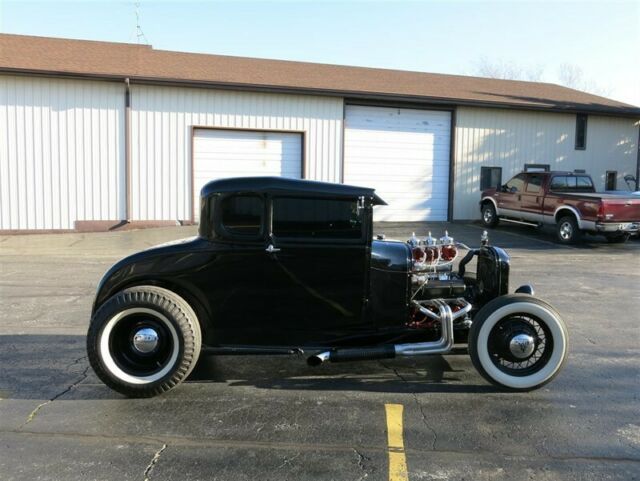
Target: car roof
(283,185)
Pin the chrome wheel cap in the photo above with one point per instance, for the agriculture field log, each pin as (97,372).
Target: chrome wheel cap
(488,215)
(522,346)
(145,340)
(566,231)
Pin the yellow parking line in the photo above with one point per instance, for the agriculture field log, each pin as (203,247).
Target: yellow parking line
(397,459)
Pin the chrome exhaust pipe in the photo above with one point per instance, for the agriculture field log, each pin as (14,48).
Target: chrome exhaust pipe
(445,315)
(319,358)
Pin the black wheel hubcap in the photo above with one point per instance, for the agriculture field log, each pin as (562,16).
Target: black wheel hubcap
(126,349)
(509,349)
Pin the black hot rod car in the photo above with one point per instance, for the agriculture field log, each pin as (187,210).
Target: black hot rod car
(286,267)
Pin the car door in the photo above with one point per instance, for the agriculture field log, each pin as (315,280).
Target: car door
(531,199)
(509,197)
(320,262)
(238,282)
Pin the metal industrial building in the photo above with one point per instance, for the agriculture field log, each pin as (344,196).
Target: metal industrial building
(96,134)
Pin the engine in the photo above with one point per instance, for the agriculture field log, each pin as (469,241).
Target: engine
(432,275)
(415,280)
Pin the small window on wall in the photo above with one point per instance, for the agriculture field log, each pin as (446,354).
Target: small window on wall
(537,167)
(242,215)
(316,218)
(490,177)
(611,180)
(581,132)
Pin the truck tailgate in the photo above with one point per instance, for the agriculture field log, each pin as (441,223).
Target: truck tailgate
(624,209)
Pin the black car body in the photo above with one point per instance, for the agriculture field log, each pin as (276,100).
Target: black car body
(288,266)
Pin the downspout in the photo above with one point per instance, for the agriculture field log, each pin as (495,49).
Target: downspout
(452,164)
(127,150)
(638,159)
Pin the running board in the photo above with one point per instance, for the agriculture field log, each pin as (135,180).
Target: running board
(522,222)
(244,351)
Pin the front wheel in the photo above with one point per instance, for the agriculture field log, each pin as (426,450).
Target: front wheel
(489,215)
(518,342)
(144,341)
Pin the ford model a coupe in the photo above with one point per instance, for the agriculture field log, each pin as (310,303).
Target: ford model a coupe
(291,267)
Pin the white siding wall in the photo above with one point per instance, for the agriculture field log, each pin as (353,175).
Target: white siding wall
(161,123)
(61,152)
(510,139)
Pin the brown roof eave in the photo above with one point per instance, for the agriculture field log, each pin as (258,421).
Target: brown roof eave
(382,96)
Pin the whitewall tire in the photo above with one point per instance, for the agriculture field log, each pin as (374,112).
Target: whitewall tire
(518,342)
(144,341)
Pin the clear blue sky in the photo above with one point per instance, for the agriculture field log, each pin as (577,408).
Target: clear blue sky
(601,38)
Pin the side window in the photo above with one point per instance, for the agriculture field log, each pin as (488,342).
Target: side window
(572,183)
(559,183)
(242,215)
(581,132)
(490,177)
(584,184)
(534,184)
(516,184)
(316,218)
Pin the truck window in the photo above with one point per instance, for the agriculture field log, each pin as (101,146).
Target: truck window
(559,183)
(295,217)
(572,183)
(242,215)
(584,184)
(534,184)
(516,184)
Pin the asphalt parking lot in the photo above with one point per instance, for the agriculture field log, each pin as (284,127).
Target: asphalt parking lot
(274,418)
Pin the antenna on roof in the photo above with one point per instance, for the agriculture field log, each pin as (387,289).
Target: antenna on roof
(140,36)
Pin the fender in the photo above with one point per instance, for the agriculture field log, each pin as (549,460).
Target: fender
(571,209)
(495,204)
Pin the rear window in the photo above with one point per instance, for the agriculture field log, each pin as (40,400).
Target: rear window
(242,215)
(295,217)
(572,183)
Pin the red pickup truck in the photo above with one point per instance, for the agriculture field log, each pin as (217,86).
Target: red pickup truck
(565,199)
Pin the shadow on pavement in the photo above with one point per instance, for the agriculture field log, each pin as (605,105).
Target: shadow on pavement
(43,366)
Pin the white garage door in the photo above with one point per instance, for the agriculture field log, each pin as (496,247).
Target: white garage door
(238,153)
(404,155)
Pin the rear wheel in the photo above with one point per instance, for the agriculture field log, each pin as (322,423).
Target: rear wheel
(618,238)
(568,230)
(489,215)
(518,342)
(144,341)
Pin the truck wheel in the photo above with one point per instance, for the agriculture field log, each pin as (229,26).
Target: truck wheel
(618,238)
(144,341)
(489,215)
(568,230)
(518,342)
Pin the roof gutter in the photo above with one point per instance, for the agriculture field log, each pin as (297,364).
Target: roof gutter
(568,108)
